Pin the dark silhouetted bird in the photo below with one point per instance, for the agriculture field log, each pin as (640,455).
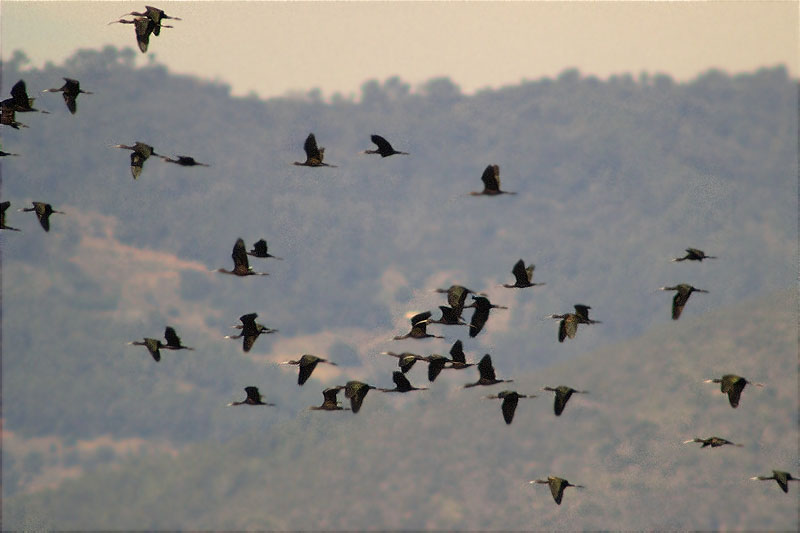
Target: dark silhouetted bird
(253,398)
(3,208)
(524,276)
(491,182)
(679,301)
(405,360)
(8,117)
(401,384)
(19,100)
(260,250)
(140,152)
(154,14)
(307,364)
(487,375)
(43,212)
(563,394)
(436,363)
(314,155)
(783,479)
(250,331)
(557,486)
(184,161)
(482,307)
(456,296)
(71,90)
(458,358)
(6,154)
(241,267)
(449,317)
(732,385)
(714,442)
(510,399)
(568,326)
(384,148)
(419,325)
(153,346)
(356,391)
(330,403)
(144,26)
(173,341)
(693,254)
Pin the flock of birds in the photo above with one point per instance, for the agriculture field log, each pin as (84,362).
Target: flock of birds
(149,23)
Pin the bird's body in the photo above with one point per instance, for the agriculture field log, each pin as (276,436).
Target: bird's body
(510,399)
(449,317)
(3,208)
(681,297)
(405,360)
(456,297)
(781,477)
(436,363)
(314,155)
(523,275)
(482,307)
(19,101)
(140,152)
(144,26)
(250,331)
(401,384)
(8,117)
(457,356)
(487,375)
(241,266)
(568,327)
(173,341)
(557,486)
(563,394)
(419,325)
(384,148)
(307,363)
(184,161)
(154,14)
(714,442)
(732,385)
(356,391)
(253,398)
(43,212)
(6,154)
(260,250)
(71,89)
(153,346)
(693,254)
(491,182)
(330,403)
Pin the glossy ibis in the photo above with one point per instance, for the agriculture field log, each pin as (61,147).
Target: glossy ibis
(71,89)
(405,360)
(43,212)
(693,254)
(563,394)
(384,148)
(487,375)
(510,399)
(524,276)
(449,317)
(314,155)
(154,14)
(253,398)
(6,154)
(140,152)
(783,479)
(568,326)
(173,341)
(557,486)
(330,403)
(153,346)
(143,26)
(241,266)
(714,442)
(3,208)
(491,182)
(482,307)
(401,384)
(184,161)
(260,250)
(356,391)
(307,364)
(8,117)
(681,297)
(19,100)
(419,325)
(457,356)
(250,331)
(732,385)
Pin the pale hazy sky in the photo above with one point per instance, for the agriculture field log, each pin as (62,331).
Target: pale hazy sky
(276,47)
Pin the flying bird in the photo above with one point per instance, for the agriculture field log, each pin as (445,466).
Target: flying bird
(482,307)
(681,297)
(568,326)
(419,325)
(184,161)
(260,250)
(487,375)
(783,479)
(154,14)
(241,267)
(405,360)
(732,385)
(510,399)
(436,363)
(253,398)
(3,208)
(144,26)
(8,117)
(307,364)
(524,276)
(693,254)
(330,403)
(19,100)
(384,148)
(43,212)
(714,442)
(456,297)
(71,89)
(140,152)
(401,384)
(563,394)
(152,345)
(173,341)
(557,486)
(250,331)
(449,317)
(356,391)
(314,155)
(491,182)
(6,154)
(457,356)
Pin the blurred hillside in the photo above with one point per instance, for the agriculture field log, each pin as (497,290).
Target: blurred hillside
(613,178)
(444,458)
